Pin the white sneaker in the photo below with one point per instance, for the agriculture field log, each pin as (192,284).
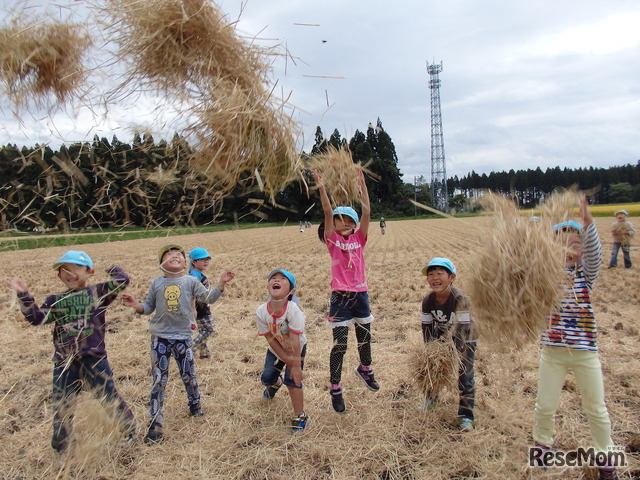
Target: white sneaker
(466,424)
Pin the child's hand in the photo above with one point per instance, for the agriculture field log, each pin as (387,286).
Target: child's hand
(17,284)
(587,218)
(227,277)
(129,300)
(296,374)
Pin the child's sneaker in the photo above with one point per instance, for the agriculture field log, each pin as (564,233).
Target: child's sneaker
(367,379)
(270,391)
(61,457)
(154,434)
(336,400)
(299,423)
(195,410)
(428,405)
(607,473)
(465,424)
(204,352)
(128,438)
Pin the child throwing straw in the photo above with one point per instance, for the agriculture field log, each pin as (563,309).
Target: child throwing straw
(622,231)
(281,323)
(349,304)
(80,357)
(171,296)
(570,342)
(444,308)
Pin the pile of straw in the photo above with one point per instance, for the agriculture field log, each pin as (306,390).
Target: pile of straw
(41,61)
(187,49)
(518,272)
(434,366)
(242,136)
(179,44)
(338,175)
(560,206)
(622,231)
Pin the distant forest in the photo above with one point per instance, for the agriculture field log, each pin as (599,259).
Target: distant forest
(111,184)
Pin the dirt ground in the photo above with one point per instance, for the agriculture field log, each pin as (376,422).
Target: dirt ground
(381,435)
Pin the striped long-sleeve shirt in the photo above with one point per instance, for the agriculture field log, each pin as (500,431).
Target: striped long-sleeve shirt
(574,325)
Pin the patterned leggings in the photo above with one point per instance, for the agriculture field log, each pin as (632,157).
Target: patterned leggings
(340,339)
(206,328)
(161,351)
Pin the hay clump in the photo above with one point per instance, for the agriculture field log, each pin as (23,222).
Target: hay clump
(518,273)
(338,174)
(434,366)
(42,60)
(242,136)
(187,48)
(622,232)
(177,44)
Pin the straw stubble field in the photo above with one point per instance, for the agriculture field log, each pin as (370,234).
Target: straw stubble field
(381,436)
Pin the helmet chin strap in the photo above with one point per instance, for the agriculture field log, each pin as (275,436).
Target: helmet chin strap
(170,272)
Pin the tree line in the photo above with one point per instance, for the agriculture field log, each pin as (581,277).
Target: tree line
(112,184)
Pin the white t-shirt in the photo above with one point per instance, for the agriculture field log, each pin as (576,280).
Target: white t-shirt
(290,321)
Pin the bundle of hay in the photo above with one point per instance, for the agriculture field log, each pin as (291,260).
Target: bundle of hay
(434,366)
(179,44)
(622,232)
(338,174)
(41,61)
(518,273)
(242,136)
(187,49)
(560,205)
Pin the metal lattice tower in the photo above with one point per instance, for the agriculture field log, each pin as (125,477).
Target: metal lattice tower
(438,165)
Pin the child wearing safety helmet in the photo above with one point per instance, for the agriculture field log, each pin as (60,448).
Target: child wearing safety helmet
(443,309)
(349,304)
(80,355)
(171,296)
(570,343)
(281,323)
(200,260)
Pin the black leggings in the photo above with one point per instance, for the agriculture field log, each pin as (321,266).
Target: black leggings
(340,339)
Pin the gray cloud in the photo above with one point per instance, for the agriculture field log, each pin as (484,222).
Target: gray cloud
(524,84)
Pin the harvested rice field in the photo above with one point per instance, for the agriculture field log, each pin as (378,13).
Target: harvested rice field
(380,436)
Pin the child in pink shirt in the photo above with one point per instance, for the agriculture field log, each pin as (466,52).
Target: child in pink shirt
(349,303)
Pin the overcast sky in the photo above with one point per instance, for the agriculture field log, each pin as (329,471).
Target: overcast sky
(523,84)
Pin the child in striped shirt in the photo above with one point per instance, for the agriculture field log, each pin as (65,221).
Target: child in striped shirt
(570,342)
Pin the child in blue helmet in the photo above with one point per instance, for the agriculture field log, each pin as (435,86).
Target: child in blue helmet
(570,342)
(281,323)
(444,308)
(200,260)
(349,303)
(80,357)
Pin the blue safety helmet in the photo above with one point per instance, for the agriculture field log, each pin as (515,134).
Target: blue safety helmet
(77,257)
(348,211)
(440,262)
(198,253)
(288,275)
(568,225)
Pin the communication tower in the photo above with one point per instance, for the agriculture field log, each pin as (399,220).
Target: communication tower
(439,194)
